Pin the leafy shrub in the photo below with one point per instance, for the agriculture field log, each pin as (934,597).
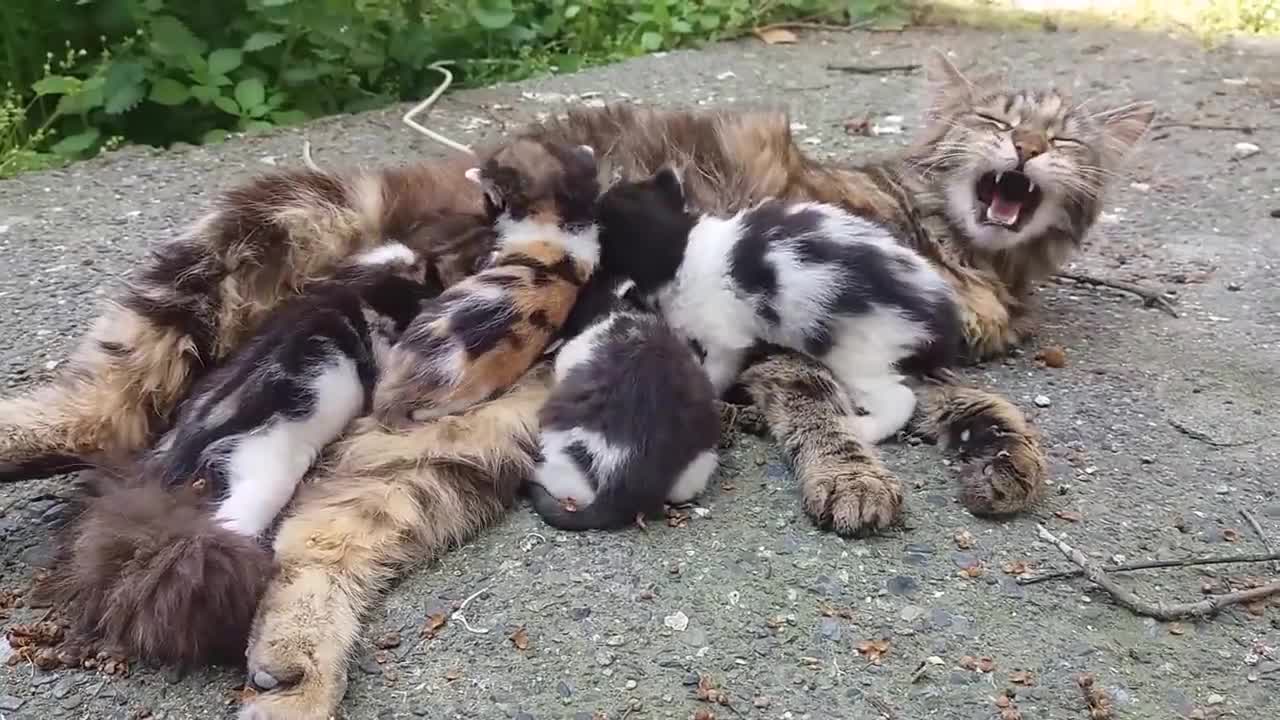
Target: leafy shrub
(162,71)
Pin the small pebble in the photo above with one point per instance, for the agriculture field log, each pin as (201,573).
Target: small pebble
(614,640)
(911,613)
(1234,286)
(1042,401)
(677,621)
(1275,213)
(563,689)
(1244,150)
(10,703)
(1215,699)
(631,685)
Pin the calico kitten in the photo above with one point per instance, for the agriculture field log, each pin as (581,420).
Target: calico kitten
(631,422)
(166,554)
(483,333)
(806,276)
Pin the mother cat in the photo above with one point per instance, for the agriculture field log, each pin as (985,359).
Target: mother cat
(1000,188)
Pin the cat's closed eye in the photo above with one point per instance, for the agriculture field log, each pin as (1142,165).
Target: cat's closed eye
(997,123)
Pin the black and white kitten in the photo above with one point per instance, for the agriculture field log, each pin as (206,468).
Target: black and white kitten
(806,276)
(631,423)
(251,429)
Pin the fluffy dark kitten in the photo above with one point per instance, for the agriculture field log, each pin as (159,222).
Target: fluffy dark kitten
(806,276)
(631,423)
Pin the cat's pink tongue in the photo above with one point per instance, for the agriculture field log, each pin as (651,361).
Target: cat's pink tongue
(1003,211)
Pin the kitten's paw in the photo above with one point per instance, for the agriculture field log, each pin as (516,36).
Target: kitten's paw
(988,328)
(1007,481)
(853,501)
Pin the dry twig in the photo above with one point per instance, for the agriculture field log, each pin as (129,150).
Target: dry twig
(1246,129)
(1156,610)
(1204,438)
(1257,528)
(426,104)
(1152,564)
(457,614)
(1150,298)
(873,69)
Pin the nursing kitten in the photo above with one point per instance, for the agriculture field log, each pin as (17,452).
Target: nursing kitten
(482,334)
(631,422)
(251,428)
(806,276)
(166,554)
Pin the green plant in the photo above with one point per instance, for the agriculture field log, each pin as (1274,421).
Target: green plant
(162,71)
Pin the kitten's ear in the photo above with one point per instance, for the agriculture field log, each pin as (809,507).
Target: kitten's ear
(946,82)
(668,181)
(1124,126)
(473,174)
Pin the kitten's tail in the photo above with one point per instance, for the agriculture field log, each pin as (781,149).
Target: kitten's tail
(599,515)
(144,570)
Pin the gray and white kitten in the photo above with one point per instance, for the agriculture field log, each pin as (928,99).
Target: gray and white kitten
(806,276)
(631,423)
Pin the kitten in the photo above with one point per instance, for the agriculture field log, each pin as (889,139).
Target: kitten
(483,333)
(251,429)
(806,276)
(166,554)
(631,422)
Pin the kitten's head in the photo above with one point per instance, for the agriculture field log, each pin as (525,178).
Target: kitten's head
(1015,164)
(547,183)
(644,226)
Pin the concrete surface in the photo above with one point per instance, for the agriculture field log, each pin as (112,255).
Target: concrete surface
(595,608)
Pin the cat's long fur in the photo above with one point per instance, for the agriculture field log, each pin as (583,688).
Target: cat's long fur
(483,333)
(165,557)
(399,496)
(631,422)
(808,277)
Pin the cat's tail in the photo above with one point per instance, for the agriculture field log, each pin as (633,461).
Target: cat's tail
(144,571)
(599,515)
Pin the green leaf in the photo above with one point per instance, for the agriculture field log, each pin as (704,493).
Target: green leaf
(227,105)
(214,136)
(168,91)
(275,3)
(224,61)
(76,144)
(262,40)
(171,37)
(124,87)
(288,117)
(250,93)
(572,11)
(681,26)
(57,85)
(258,126)
(493,14)
(204,93)
(651,41)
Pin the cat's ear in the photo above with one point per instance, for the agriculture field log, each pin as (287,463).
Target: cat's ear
(946,84)
(1123,127)
(668,181)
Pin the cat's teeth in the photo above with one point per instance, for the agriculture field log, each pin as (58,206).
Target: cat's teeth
(998,176)
(1031,187)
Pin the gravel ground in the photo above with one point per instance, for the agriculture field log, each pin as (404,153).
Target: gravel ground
(1157,426)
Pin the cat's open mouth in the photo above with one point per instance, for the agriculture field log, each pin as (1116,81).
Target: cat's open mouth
(1007,199)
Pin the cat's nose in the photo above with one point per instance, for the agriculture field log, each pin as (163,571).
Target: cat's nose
(1029,147)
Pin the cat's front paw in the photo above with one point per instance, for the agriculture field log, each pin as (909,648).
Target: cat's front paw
(988,328)
(853,500)
(1008,480)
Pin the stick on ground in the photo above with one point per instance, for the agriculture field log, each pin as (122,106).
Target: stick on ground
(1152,564)
(874,69)
(1150,298)
(1157,610)
(1257,528)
